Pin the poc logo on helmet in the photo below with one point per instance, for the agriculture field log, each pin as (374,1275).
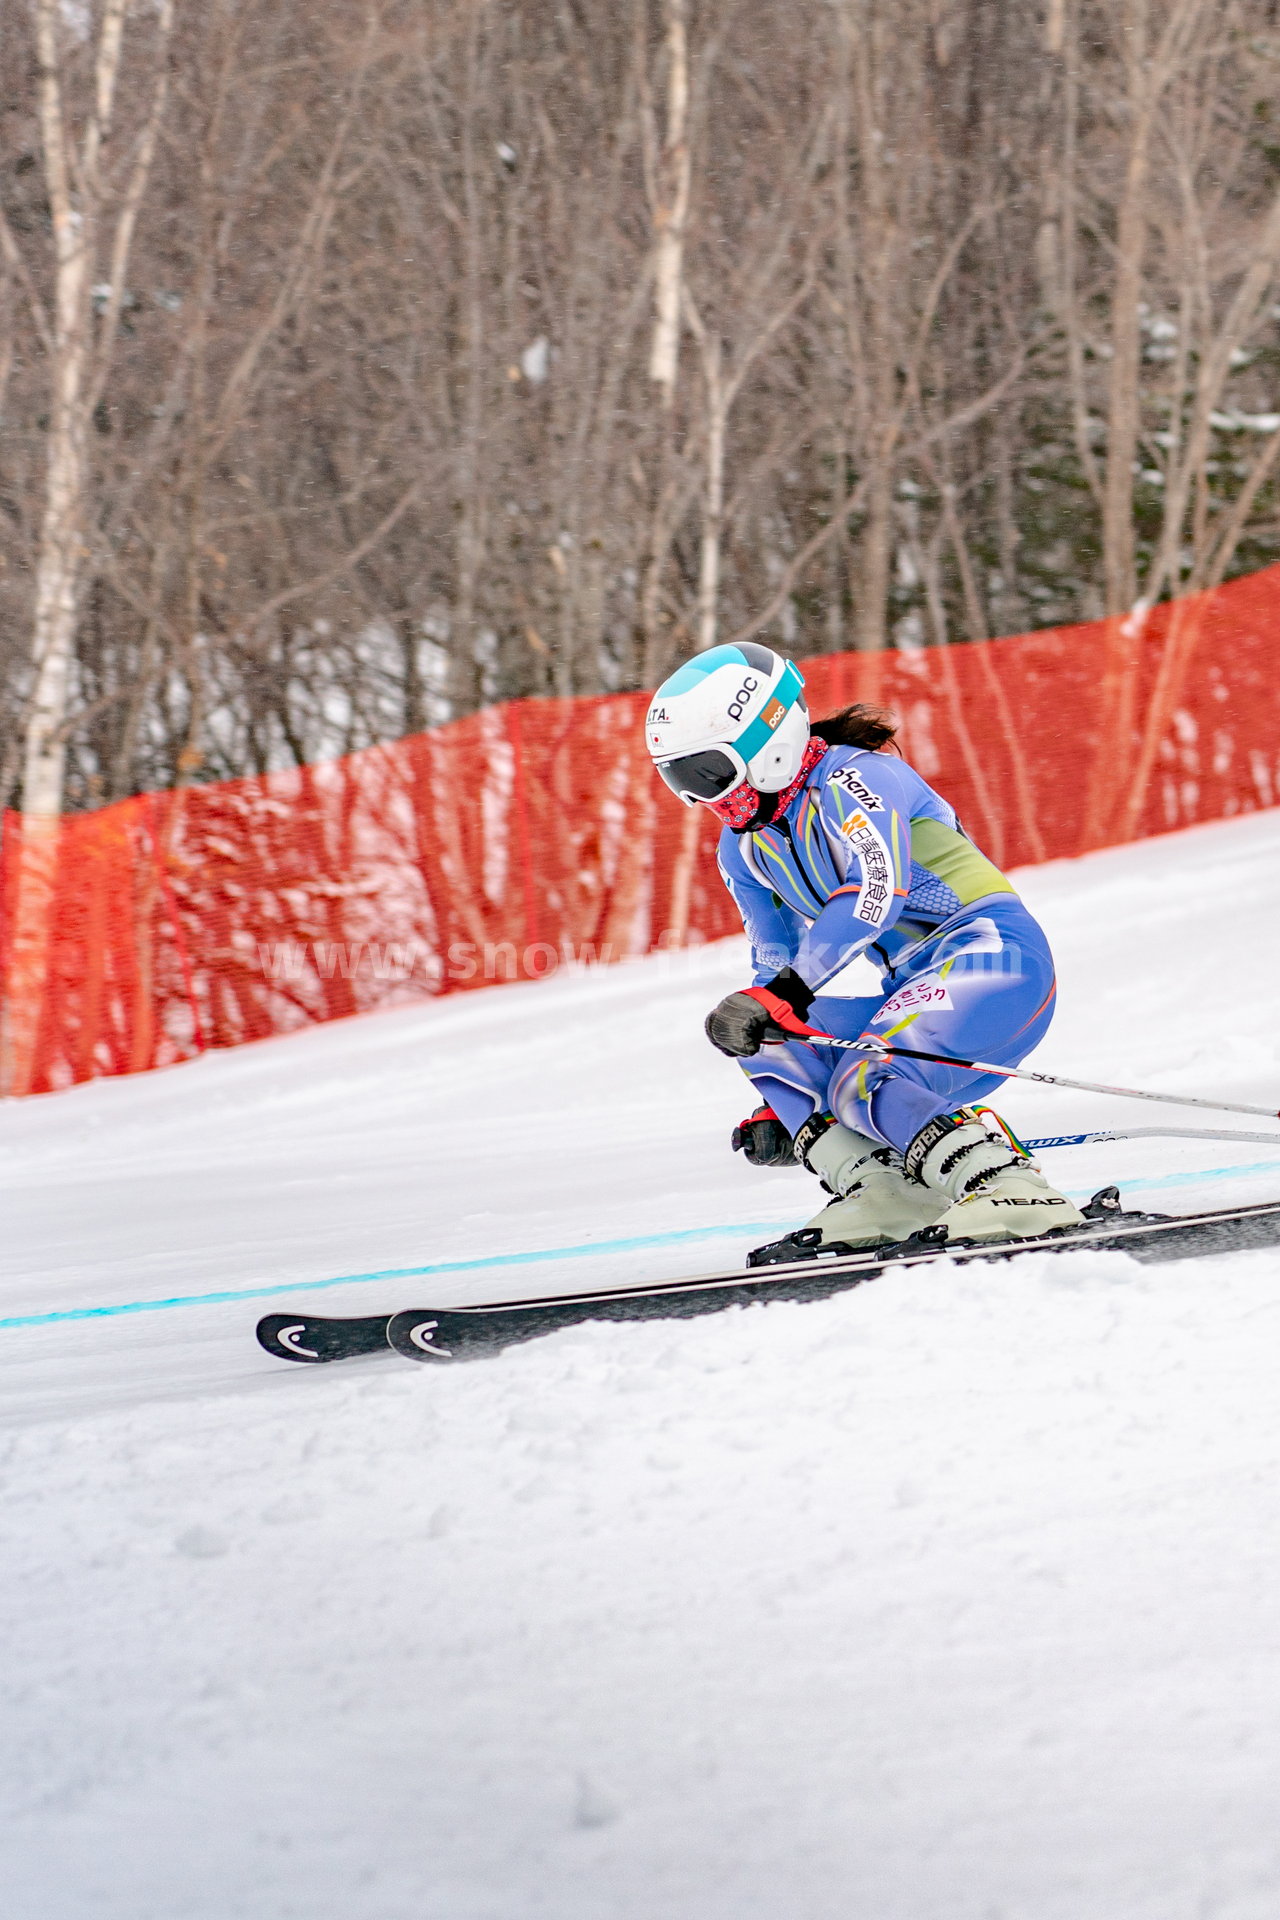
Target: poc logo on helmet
(742,697)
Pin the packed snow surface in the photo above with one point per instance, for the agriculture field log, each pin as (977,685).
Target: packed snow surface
(952,1598)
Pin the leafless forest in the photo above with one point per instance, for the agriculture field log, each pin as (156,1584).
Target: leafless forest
(360,364)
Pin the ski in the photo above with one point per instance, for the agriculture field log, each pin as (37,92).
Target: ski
(312,1340)
(792,1269)
(789,1269)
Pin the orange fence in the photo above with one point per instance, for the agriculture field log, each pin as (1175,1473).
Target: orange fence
(535,833)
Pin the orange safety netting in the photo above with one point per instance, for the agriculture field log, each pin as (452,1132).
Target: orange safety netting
(535,834)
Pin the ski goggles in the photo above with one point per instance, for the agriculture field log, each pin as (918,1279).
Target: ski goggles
(709,774)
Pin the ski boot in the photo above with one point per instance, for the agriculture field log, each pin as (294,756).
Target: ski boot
(874,1203)
(995,1190)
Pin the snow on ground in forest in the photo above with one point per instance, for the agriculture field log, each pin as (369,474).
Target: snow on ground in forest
(952,1598)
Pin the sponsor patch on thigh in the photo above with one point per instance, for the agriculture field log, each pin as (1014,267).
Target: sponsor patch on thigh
(914,999)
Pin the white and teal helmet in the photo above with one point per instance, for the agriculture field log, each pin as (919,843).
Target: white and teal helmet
(729,715)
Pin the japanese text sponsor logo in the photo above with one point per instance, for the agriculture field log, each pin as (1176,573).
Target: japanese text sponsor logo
(915,998)
(876,894)
(859,790)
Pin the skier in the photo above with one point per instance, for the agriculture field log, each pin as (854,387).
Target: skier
(833,849)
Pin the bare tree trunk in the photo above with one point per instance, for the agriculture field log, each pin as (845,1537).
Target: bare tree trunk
(1011,616)
(1126,338)
(1054,24)
(881,330)
(1148,73)
(465,689)
(713,504)
(669,175)
(761,320)
(74,237)
(1071,319)
(671,209)
(1186,479)
(80,198)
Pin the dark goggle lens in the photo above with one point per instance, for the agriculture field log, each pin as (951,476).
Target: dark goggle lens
(708,775)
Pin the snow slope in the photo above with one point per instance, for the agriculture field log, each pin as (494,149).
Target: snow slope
(950,1599)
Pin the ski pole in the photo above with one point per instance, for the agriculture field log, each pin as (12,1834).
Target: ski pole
(1044,1079)
(1150,1133)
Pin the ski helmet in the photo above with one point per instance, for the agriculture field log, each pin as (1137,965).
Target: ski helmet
(728,716)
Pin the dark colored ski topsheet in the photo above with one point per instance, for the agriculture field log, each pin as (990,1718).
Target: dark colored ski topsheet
(443,1335)
(466,1333)
(311,1340)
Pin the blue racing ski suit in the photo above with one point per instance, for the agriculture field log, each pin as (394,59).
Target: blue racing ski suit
(868,860)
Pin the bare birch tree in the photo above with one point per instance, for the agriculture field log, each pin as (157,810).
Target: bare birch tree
(94,202)
(93,208)
(670,193)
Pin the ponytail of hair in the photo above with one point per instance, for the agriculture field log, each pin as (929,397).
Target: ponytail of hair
(855,726)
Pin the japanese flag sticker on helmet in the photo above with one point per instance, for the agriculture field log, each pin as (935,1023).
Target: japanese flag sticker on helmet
(745,701)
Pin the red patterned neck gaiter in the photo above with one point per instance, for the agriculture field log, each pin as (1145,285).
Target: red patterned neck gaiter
(738,809)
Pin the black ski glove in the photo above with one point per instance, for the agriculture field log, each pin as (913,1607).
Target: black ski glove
(775,1011)
(764,1140)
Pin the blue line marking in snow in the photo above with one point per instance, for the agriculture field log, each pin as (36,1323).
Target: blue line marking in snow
(638,1243)
(1191,1175)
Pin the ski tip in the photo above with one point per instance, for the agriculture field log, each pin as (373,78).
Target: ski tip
(421,1335)
(312,1342)
(284,1337)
